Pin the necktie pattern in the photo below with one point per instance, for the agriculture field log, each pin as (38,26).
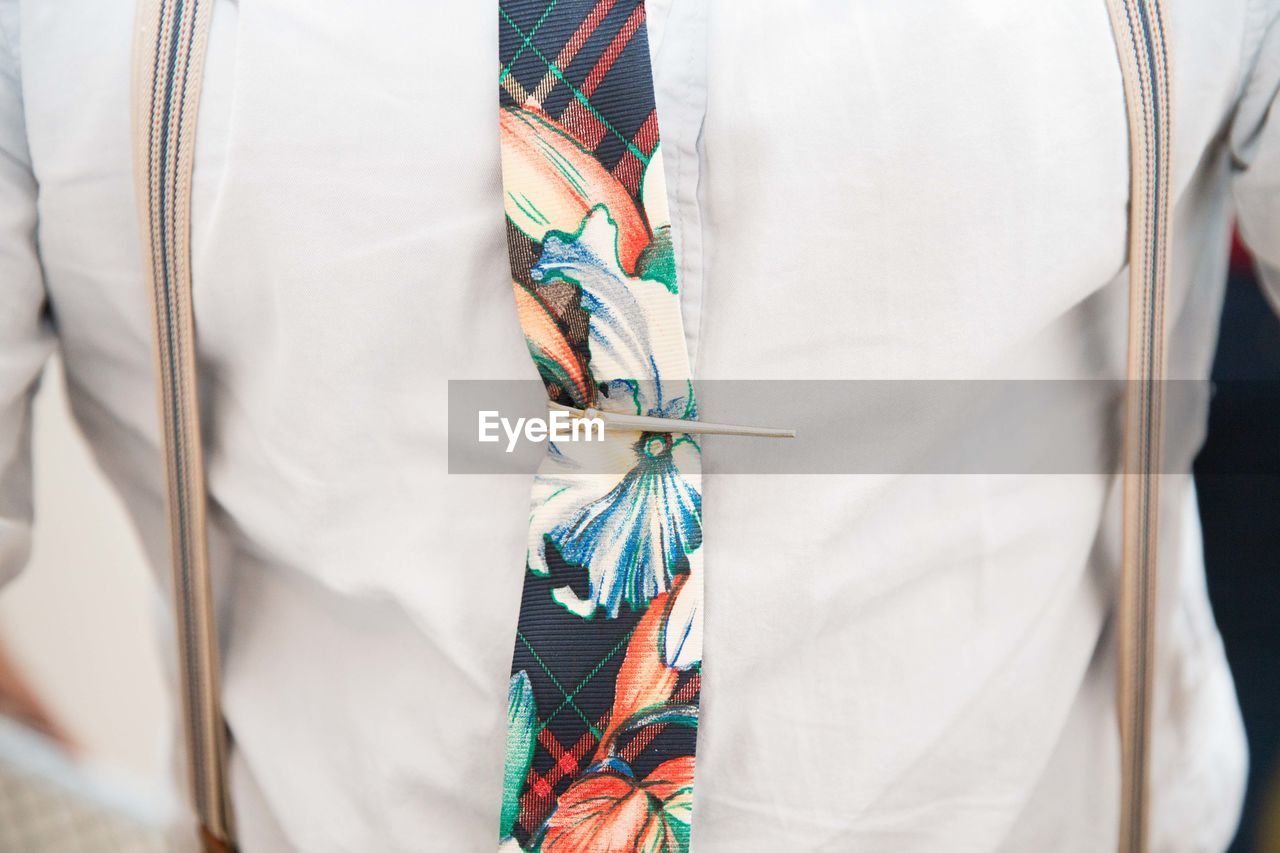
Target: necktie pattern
(603,701)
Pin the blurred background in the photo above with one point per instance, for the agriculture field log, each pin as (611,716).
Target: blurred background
(1241,518)
(77,624)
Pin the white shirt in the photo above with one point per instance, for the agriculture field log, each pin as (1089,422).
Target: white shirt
(859,190)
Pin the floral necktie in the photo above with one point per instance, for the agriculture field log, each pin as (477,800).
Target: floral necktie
(603,700)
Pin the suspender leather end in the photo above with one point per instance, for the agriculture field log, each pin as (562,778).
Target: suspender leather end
(209,843)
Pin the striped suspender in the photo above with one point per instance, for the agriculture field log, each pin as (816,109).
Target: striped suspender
(1138,27)
(168,61)
(171,36)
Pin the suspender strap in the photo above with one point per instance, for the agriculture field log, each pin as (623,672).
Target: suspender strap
(171,36)
(1138,27)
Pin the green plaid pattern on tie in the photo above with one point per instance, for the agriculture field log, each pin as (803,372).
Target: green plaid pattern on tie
(603,701)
